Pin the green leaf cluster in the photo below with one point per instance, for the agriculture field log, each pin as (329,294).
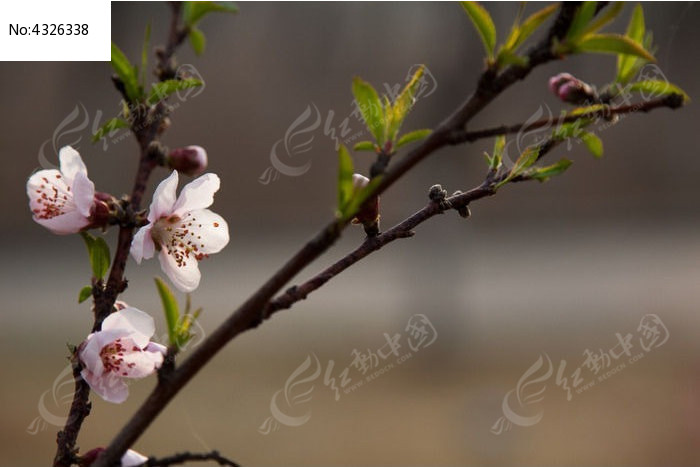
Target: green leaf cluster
(583,35)
(179,325)
(193,13)
(520,31)
(384,118)
(526,160)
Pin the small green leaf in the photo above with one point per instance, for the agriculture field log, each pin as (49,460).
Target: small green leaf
(98,252)
(404,103)
(170,308)
(544,173)
(612,44)
(658,88)
(496,160)
(528,157)
(197,40)
(608,15)
(195,11)
(483,24)
(85,293)
(519,34)
(592,142)
(111,125)
(627,65)
(345,171)
(412,137)
(144,54)
(163,89)
(371,108)
(365,146)
(582,18)
(506,57)
(126,73)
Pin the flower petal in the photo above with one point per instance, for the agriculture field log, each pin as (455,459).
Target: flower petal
(134,323)
(198,194)
(108,386)
(69,223)
(139,363)
(163,198)
(156,347)
(213,230)
(185,274)
(71,164)
(83,193)
(132,459)
(142,245)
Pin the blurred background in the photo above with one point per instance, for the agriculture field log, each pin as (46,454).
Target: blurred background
(538,275)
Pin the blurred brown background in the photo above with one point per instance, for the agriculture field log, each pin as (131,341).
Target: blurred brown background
(552,269)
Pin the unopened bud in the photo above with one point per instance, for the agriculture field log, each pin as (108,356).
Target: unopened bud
(102,210)
(369,215)
(89,457)
(191,160)
(571,89)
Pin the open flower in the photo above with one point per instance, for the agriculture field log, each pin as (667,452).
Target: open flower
(122,349)
(61,200)
(182,230)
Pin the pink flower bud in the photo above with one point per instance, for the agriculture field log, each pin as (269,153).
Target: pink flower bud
(89,457)
(572,90)
(558,80)
(191,160)
(102,210)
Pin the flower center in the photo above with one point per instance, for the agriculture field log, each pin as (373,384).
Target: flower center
(112,356)
(179,237)
(54,197)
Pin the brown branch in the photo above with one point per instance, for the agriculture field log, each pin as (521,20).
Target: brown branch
(106,294)
(252,312)
(671,101)
(403,229)
(166,63)
(183,457)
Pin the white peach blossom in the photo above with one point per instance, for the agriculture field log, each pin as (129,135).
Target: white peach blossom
(182,230)
(61,200)
(121,349)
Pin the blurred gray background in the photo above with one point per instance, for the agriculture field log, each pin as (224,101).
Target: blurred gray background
(553,269)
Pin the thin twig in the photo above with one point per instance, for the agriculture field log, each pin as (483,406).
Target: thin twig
(671,101)
(183,457)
